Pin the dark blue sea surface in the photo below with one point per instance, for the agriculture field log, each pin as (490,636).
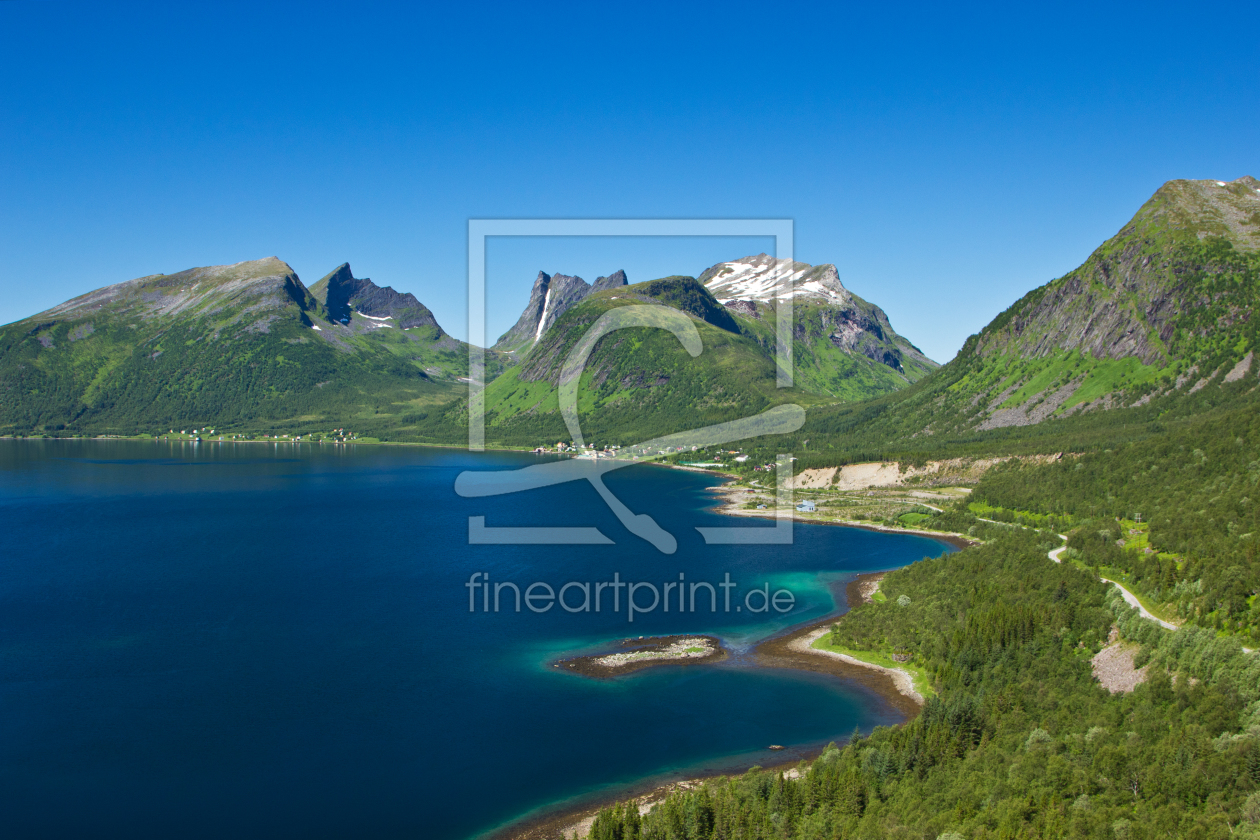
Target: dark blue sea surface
(274,641)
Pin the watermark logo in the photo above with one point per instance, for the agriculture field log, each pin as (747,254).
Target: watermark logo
(781,419)
(576,596)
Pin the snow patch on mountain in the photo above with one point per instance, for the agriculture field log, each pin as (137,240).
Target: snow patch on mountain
(542,322)
(765,278)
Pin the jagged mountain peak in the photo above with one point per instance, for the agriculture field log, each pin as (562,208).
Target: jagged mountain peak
(341,294)
(762,277)
(612,281)
(551,296)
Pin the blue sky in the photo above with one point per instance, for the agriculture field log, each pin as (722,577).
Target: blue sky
(946,160)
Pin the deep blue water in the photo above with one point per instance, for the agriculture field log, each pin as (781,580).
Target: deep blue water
(275,641)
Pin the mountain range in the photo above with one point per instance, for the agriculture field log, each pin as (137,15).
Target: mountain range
(248,345)
(1159,313)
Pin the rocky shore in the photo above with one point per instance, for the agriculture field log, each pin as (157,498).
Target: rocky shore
(790,649)
(640,653)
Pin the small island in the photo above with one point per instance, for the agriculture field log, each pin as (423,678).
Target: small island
(636,654)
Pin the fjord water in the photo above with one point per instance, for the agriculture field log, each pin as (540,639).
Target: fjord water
(275,641)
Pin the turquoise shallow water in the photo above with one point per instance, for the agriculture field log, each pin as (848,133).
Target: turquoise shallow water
(275,641)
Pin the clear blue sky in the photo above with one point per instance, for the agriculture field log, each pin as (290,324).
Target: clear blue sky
(945,160)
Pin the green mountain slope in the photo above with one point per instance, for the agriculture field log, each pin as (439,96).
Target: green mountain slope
(242,346)
(824,364)
(1142,361)
(1163,307)
(642,383)
(639,383)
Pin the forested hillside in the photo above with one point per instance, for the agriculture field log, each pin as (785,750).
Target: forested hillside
(1139,371)
(1177,514)
(1020,741)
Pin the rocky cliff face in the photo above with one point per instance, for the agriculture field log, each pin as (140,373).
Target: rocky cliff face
(341,293)
(1160,311)
(1130,297)
(613,281)
(854,331)
(551,296)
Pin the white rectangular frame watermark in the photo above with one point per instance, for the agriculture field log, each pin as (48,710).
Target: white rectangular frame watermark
(480,229)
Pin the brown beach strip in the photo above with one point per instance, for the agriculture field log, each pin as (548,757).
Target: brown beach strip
(780,652)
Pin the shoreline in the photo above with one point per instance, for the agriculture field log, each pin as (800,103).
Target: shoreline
(783,650)
(562,821)
(137,439)
(791,649)
(726,507)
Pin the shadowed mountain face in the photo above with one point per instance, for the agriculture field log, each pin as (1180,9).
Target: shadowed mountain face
(342,293)
(551,297)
